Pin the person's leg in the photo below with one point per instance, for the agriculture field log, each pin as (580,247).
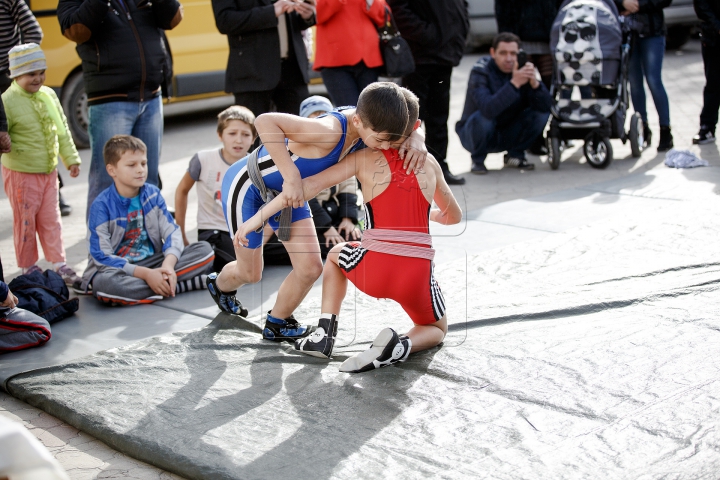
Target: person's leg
(291,90)
(196,259)
(711,93)
(476,136)
(520,134)
(364,76)
(654,50)
(115,287)
(304,252)
(221,243)
(49,224)
(105,120)
(636,77)
(25,202)
(427,336)
(437,109)
(149,128)
(257,102)
(341,85)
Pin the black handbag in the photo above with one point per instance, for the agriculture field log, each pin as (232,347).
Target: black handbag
(397,57)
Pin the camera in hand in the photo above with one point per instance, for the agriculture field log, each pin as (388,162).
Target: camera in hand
(521,59)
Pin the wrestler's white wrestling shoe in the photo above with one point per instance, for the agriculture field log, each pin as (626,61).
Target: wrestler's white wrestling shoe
(320,343)
(387,348)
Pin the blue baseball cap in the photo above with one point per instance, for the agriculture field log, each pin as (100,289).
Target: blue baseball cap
(313,104)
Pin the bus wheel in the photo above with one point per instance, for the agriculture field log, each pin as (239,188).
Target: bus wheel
(74,102)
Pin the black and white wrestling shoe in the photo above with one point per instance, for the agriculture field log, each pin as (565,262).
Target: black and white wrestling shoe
(320,343)
(387,348)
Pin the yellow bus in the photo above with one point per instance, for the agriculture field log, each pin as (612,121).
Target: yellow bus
(198,50)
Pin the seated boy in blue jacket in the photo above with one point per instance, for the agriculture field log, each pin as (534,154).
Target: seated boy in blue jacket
(136,252)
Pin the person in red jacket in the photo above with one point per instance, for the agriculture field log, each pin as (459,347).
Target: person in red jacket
(347,52)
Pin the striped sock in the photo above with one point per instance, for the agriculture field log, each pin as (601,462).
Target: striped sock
(195,283)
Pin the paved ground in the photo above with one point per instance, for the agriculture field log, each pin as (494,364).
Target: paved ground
(191,127)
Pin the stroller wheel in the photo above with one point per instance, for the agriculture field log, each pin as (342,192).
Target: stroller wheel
(598,151)
(637,135)
(554,152)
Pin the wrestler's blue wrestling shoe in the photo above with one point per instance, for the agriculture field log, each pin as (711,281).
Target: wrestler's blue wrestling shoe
(288,329)
(225,300)
(388,348)
(322,340)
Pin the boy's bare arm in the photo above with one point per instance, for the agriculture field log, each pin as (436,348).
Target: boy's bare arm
(449,211)
(181,200)
(274,128)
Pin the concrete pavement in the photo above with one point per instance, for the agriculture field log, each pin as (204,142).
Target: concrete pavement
(84,457)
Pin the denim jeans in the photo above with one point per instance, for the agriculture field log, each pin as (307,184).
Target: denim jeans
(480,135)
(344,84)
(143,120)
(646,59)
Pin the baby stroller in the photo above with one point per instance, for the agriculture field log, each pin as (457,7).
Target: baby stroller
(591,51)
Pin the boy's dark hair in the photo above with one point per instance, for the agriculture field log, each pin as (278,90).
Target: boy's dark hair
(236,112)
(382,108)
(506,37)
(413,106)
(116,147)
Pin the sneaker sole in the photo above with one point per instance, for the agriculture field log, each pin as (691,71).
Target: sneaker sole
(360,362)
(704,142)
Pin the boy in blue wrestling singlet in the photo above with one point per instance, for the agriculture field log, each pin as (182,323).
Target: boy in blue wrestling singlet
(295,148)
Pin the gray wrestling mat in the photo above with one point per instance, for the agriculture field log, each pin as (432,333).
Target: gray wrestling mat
(588,353)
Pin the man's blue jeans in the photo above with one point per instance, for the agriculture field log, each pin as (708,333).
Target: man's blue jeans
(143,120)
(480,135)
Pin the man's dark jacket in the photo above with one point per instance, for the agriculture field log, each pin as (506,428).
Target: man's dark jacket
(434,29)
(708,11)
(491,93)
(649,19)
(531,20)
(251,28)
(120,44)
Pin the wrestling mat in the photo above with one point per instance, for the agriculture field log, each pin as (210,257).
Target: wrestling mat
(590,353)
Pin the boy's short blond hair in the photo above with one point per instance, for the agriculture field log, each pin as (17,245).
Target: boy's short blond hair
(236,112)
(116,147)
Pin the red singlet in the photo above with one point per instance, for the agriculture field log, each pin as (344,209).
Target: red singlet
(409,281)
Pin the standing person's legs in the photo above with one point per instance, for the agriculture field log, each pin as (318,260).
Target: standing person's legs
(148,127)
(711,93)
(431,83)
(344,84)
(257,102)
(292,89)
(652,59)
(636,77)
(25,198)
(49,224)
(105,120)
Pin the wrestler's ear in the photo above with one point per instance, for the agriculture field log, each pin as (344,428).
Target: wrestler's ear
(418,122)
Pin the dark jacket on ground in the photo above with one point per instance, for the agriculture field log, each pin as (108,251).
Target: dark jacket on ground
(490,92)
(120,45)
(251,28)
(708,11)
(649,21)
(434,29)
(531,20)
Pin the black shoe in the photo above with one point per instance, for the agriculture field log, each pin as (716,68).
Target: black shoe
(288,329)
(65,209)
(647,135)
(387,348)
(518,163)
(452,179)
(666,140)
(705,135)
(322,340)
(480,169)
(225,300)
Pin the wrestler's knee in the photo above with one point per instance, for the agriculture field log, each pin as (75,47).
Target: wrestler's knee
(309,270)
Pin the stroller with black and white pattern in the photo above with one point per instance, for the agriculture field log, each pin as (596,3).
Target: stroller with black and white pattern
(590,57)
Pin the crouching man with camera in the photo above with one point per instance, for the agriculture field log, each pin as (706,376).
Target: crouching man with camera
(506,107)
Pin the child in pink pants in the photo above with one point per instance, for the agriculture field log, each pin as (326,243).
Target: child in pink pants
(39,133)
